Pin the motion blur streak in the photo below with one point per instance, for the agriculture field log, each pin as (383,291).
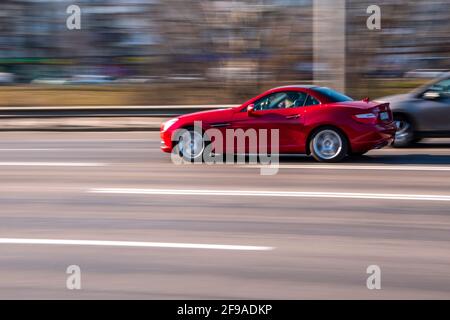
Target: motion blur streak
(360,167)
(50,164)
(130,244)
(261,193)
(323,246)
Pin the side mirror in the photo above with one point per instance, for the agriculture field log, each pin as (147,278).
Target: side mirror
(431,95)
(251,110)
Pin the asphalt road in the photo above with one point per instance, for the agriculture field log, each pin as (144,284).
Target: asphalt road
(221,231)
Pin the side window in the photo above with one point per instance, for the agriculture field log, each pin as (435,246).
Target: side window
(271,101)
(311,101)
(300,99)
(281,100)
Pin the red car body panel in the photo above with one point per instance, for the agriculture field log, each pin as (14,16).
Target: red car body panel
(297,124)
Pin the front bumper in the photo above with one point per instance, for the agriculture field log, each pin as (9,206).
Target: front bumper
(166,141)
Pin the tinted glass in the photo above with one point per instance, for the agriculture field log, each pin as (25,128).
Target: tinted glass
(281,100)
(311,101)
(332,95)
(301,100)
(442,87)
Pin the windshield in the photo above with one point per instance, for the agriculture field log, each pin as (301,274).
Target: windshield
(332,95)
(429,85)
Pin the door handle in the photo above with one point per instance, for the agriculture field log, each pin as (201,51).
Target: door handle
(295,116)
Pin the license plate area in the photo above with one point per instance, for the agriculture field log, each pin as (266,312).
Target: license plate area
(384,116)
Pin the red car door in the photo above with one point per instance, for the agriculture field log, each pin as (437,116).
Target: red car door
(282,111)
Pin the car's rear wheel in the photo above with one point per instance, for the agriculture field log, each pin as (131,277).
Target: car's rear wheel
(191,145)
(405,132)
(328,145)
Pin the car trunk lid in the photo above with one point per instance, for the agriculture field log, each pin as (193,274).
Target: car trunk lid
(380,108)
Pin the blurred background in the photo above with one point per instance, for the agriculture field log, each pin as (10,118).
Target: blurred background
(55,162)
(142,52)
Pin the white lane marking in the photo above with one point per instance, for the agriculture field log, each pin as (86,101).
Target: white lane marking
(357,167)
(249,193)
(133,244)
(52,164)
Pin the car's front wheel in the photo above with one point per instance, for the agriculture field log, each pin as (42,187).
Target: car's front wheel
(405,133)
(328,145)
(190,144)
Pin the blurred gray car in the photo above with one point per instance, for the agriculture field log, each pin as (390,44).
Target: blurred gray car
(422,113)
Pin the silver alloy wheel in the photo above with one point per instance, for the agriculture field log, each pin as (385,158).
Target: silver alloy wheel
(191,144)
(327,144)
(403,133)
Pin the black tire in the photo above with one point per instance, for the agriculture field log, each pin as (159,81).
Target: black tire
(196,154)
(328,144)
(404,136)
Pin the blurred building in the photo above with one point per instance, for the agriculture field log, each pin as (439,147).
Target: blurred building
(214,40)
(230,39)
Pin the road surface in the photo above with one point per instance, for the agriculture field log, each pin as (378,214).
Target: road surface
(140,227)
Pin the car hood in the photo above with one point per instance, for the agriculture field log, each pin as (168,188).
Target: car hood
(209,115)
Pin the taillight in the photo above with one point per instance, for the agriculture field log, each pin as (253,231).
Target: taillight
(370,118)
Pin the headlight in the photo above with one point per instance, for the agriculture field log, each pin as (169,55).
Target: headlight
(169,123)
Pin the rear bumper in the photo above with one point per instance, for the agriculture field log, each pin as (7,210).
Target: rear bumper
(383,143)
(379,136)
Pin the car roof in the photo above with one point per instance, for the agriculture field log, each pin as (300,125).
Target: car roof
(297,86)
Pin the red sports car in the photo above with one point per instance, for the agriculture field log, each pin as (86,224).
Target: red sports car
(310,120)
